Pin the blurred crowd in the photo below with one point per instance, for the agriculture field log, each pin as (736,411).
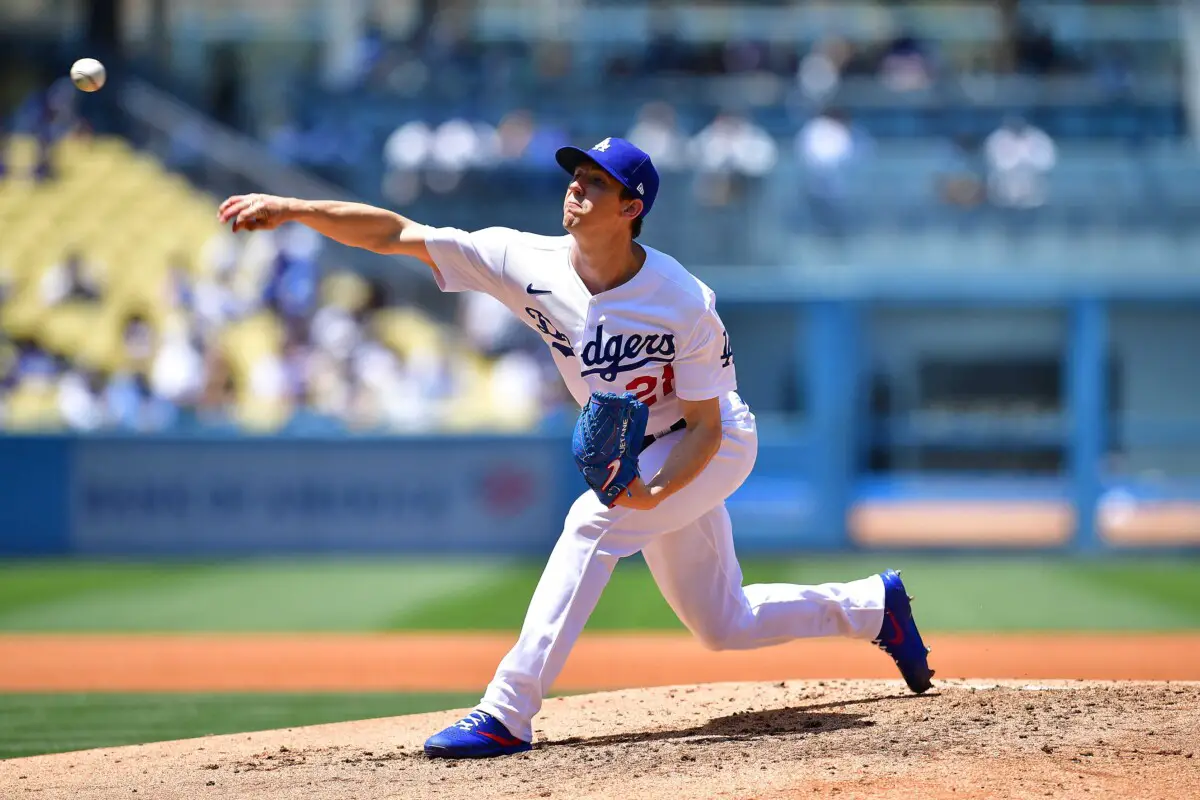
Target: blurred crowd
(899,56)
(342,352)
(1006,171)
(723,157)
(421,157)
(49,115)
(249,334)
(253,322)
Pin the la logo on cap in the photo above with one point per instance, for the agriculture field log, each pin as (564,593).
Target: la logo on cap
(604,145)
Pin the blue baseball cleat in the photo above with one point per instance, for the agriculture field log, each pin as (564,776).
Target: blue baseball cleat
(477,735)
(899,637)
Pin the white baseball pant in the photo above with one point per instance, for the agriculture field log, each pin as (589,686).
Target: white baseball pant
(687,542)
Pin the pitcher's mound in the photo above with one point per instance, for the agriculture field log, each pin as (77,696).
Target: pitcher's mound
(793,739)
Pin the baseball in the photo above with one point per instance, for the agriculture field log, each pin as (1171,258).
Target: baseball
(88,74)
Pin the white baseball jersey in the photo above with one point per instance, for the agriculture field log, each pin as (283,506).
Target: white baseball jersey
(658,335)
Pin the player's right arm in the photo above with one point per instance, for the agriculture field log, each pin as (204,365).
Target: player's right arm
(355,224)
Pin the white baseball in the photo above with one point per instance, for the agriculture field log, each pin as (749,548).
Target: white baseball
(88,74)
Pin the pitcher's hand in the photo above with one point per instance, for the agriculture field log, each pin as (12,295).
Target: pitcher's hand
(255,212)
(640,496)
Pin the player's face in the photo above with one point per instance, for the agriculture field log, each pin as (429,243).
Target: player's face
(593,200)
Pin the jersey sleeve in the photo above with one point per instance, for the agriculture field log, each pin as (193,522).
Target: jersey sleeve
(469,261)
(704,367)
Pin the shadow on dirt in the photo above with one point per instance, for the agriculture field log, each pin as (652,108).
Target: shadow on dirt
(747,725)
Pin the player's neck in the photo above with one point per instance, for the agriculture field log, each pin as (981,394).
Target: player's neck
(604,263)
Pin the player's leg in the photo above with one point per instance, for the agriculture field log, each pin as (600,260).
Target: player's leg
(571,583)
(566,594)
(594,538)
(698,573)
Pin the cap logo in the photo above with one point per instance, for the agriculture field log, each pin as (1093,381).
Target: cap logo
(602,146)
(641,188)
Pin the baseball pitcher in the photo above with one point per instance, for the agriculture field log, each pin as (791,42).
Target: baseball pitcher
(662,440)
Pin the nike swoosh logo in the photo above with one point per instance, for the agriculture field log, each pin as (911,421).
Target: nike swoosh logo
(613,467)
(898,638)
(532,290)
(495,737)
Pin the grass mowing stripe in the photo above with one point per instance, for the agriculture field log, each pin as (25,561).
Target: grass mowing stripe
(25,584)
(1042,598)
(630,602)
(1172,586)
(306,595)
(1018,593)
(50,723)
(953,594)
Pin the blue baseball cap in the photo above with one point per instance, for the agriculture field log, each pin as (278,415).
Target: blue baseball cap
(631,166)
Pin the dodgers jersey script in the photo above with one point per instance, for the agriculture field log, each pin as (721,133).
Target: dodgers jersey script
(657,335)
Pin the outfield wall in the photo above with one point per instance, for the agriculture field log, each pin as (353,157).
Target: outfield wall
(215,497)
(228,496)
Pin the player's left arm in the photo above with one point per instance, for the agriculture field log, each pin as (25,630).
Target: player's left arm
(701,441)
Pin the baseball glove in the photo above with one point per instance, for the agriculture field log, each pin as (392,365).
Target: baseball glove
(607,440)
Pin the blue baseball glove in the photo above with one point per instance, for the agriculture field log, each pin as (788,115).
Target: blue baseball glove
(607,440)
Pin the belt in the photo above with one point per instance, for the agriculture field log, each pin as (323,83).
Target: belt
(652,438)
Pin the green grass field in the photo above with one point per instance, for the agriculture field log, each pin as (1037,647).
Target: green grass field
(31,724)
(954,594)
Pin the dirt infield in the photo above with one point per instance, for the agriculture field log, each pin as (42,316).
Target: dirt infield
(693,734)
(843,739)
(464,662)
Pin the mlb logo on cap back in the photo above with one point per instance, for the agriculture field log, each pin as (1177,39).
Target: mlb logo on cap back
(627,163)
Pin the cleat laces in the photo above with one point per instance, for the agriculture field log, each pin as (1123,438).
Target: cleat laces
(469,722)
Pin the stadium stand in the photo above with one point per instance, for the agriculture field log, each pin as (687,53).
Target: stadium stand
(936,140)
(126,306)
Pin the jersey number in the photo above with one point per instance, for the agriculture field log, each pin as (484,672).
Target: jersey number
(643,386)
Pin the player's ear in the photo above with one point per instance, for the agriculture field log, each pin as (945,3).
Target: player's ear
(633,208)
